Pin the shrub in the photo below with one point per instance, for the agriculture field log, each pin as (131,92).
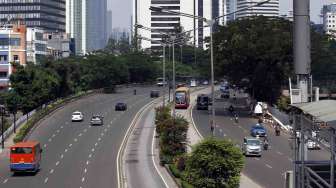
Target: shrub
(214,163)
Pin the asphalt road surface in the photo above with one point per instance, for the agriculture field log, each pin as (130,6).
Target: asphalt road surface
(74,153)
(268,170)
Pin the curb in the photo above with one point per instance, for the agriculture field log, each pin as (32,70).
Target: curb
(121,151)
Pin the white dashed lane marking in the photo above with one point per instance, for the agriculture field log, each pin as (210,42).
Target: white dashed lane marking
(46,180)
(57,163)
(278,152)
(5,181)
(269,166)
(51,171)
(83,179)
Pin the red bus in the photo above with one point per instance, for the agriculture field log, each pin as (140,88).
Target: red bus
(25,157)
(182,98)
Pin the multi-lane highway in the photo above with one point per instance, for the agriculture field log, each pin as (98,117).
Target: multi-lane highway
(74,153)
(268,170)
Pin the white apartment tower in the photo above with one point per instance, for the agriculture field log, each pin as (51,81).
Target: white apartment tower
(269,9)
(163,22)
(329,19)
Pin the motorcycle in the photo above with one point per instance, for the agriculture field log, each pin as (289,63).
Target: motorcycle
(277,132)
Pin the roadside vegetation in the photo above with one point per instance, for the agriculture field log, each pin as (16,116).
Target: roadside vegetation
(261,50)
(213,163)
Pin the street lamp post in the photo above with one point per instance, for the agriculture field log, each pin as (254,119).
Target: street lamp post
(2,108)
(174,83)
(211,23)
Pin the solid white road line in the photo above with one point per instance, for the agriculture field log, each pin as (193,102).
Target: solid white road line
(124,141)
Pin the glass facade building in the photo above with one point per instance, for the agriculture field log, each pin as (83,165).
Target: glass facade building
(46,14)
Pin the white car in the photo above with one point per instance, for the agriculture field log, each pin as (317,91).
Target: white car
(312,145)
(77,116)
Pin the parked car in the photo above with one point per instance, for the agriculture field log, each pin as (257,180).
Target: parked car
(205,82)
(120,106)
(97,120)
(154,94)
(252,146)
(203,102)
(77,116)
(258,130)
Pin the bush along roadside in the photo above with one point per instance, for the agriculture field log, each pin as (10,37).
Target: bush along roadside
(213,163)
(43,112)
(172,135)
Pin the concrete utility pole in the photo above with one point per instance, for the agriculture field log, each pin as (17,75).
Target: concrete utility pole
(136,23)
(302,46)
(302,61)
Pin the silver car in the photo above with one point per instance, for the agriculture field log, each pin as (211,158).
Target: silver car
(252,146)
(97,120)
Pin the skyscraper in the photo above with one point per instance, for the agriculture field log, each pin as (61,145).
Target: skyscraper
(109,24)
(49,15)
(269,9)
(86,24)
(329,19)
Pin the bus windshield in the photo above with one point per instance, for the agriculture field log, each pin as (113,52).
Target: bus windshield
(23,150)
(180,97)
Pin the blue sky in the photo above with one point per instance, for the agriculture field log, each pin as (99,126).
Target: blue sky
(122,10)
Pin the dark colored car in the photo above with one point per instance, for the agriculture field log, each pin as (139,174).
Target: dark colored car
(258,130)
(154,94)
(121,106)
(202,102)
(97,120)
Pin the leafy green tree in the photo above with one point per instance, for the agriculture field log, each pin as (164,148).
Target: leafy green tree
(13,102)
(259,49)
(214,163)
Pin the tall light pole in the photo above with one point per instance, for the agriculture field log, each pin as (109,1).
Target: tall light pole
(163,66)
(211,23)
(174,83)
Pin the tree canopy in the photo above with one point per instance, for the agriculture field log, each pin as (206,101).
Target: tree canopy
(214,164)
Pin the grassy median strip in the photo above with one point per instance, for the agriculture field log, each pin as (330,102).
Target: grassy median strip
(214,163)
(43,112)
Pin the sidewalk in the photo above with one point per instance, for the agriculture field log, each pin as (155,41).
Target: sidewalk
(195,137)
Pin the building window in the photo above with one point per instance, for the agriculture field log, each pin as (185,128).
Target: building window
(16,58)
(3,57)
(15,41)
(3,74)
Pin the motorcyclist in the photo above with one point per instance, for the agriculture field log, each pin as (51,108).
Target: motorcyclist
(266,143)
(277,130)
(231,109)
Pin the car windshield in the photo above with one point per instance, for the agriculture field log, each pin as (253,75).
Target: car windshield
(253,142)
(259,127)
(22,150)
(76,113)
(180,97)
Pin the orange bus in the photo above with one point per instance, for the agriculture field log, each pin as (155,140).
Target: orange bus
(182,98)
(25,157)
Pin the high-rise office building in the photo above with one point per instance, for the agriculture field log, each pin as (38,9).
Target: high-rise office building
(269,9)
(109,24)
(329,19)
(86,24)
(48,15)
